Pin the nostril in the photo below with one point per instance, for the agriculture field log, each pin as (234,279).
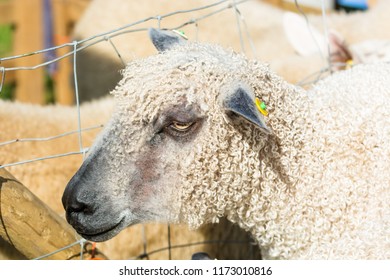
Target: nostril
(79,207)
(76,207)
(76,201)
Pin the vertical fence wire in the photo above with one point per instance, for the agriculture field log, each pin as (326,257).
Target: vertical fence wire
(76,90)
(2,70)
(326,33)
(241,37)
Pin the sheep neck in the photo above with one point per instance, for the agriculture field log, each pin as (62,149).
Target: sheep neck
(276,181)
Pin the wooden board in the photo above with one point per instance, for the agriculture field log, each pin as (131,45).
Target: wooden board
(6,12)
(32,227)
(28,17)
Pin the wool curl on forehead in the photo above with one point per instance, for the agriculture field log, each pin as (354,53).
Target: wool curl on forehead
(183,73)
(199,74)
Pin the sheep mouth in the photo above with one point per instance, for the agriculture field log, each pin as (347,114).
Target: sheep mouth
(105,233)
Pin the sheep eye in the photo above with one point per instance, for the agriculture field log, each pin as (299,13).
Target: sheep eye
(182,131)
(181,127)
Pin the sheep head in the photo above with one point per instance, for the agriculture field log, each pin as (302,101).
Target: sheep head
(182,146)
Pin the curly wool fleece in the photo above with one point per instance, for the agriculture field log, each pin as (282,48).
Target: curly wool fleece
(316,187)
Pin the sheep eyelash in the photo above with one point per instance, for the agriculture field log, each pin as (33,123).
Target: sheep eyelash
(173,129)
(181,126)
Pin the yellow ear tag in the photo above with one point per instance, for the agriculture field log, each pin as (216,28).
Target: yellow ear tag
(261,107)
(349,64)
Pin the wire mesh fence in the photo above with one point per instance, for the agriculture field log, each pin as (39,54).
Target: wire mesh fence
(56,153)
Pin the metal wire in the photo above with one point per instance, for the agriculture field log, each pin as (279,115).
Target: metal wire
(326,32)
(116,51)
(309,28)
(2,69)
(82,152)
(77,46)
(76,90)
(80,242)
(43,139)
(185,245)
(237,13)
(110,34)
(106,36)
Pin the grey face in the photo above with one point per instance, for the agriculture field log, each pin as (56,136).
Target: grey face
(137,169)
(118,185)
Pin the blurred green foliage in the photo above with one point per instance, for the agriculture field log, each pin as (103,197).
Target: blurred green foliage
(7,92)
(6,50)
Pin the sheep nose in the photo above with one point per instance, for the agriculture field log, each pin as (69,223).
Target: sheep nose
(79,197)
(75,200)
(76,206)
(77,211)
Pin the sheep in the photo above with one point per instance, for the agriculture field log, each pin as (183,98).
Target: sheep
(308,42)
(212,134)
(353,38)
(47,179)
(265,27)
(102,16)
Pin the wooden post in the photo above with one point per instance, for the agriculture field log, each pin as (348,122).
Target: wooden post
(63,85)
(65,15)
(6,12)
(28,18)
(31,226)
(7,17)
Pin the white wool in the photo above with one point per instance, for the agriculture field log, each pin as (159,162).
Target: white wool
(316,188)
(48,178)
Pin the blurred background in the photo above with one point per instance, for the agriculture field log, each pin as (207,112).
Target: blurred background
(31,25)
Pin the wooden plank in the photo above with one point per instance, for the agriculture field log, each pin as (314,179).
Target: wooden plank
(28,38)
(63,87)
(65,14)
(32,227)
(6,12)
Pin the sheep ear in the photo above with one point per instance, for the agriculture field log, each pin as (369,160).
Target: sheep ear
(164,39)
(242,103)
(340,51)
